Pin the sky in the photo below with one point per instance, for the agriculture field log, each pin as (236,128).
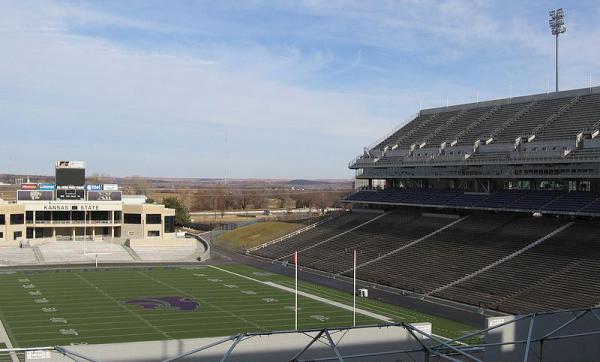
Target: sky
(260,89)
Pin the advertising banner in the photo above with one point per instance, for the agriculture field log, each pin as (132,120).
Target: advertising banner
(47,186)
(35,195)
(93,187)
(110,187)
(104,196)
(29,186)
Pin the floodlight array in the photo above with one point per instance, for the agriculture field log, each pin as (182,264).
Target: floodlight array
(557,22)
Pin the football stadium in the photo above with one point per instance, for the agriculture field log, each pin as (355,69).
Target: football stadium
(471,233)
(466,218)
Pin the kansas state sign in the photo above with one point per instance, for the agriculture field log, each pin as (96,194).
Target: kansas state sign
(35,195)
(70,207)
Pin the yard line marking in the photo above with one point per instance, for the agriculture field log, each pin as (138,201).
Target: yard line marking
(122,306)
(4,339)
(312,296)
(332,302)
(21,329)
(401,314)
(203,301)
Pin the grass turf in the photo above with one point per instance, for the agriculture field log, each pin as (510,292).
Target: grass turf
(256,234)
(4,357)
(90,305)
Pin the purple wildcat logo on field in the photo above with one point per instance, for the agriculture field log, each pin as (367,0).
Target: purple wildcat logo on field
(175,303)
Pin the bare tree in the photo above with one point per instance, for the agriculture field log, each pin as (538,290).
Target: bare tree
(138,185)
(99,178)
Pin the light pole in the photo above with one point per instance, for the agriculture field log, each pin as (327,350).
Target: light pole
(557,26)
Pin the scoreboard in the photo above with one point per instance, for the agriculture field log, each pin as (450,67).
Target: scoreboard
(70,173)
(70,194)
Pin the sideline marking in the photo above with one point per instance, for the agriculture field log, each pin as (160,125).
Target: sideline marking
(324,300)
(312,296)
(4,339)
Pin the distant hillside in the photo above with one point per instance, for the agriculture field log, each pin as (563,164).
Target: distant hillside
(306,182)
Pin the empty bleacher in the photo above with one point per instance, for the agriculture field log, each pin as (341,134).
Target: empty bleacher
(559,273)
(430,253)
(80,252)
(579,118)
(459,124)
(593,153)
(455,252)
(546,201)
(485,129)
(13,255)
(372,240)
(419,136)
(514,250)
(317,235)
(550,118)
(164,252)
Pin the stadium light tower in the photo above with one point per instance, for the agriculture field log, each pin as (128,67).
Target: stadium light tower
(557,26)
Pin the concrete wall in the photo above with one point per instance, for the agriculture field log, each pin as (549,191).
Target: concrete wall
(7,229)
(157,242)
(139,231)
(279,347)
(584,348)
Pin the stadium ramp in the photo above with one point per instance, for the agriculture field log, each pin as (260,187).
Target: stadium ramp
(131,252)
(294,233)
(38,254)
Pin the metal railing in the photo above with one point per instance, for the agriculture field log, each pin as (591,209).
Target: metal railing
(546,330)
(294,233)
(434,161)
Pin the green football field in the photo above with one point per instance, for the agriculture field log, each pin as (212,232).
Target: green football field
(70,306)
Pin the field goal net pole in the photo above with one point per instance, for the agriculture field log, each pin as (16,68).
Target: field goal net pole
(354,292)
(296,291)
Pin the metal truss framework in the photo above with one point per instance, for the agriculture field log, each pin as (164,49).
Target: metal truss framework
(446,349)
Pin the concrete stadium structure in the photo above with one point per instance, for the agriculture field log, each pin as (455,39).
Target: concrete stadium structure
(492,206)
(537,142)
(72,210)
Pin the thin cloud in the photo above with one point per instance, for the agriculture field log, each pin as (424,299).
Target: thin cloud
(341,74)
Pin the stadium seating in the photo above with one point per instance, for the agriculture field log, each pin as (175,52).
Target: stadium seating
(550,119)
(432,253)
(529,121)
(79,252)
(12,255)
(320,233)
(571,202)
(579,118)
(512,250)
(504,117)
(455,252)
(371,241)
(559,273)
(163,252)
(546,201)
